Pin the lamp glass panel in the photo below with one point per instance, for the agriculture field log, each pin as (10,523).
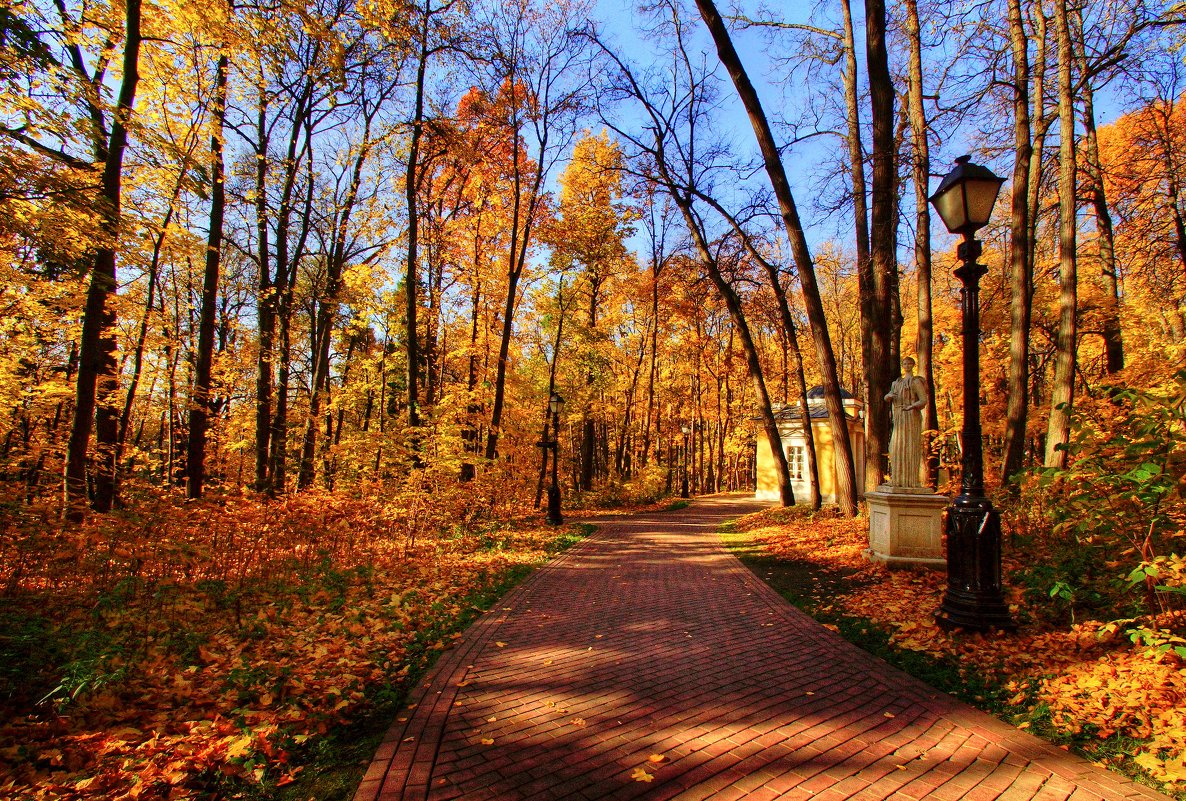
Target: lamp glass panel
(950,206)
(982,196)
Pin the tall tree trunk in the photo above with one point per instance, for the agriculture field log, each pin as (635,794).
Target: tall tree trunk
(411,279)
(469,433)
(622,452)
(199,410)
(846,489)
(882,242)
(1020,265)
(265,303)
(97,382)
(925,337)
(588,422)
(543,465)
(288,261)
(856,160)
(1040,122)
(1093,167)
(522,221)
(652,372)
(657,229)
(1062,393)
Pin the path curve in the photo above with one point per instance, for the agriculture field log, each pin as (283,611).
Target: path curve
(649,638)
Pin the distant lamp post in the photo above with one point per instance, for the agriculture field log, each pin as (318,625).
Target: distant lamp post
(973,599)
(555,516)
(683,492)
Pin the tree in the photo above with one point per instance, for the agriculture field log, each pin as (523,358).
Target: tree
(97,379)
(200,406)
(537,64)
(920,172)
(1020,258)
(668,148)
(1062,394)
(882,245)
(845,472)
(590,230)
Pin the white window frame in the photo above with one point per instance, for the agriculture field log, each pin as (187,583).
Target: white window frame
(796,461)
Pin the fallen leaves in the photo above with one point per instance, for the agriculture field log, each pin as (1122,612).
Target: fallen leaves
(230,678)
(641,775)
(1093,682)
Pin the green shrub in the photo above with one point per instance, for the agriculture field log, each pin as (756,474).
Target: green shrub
(1115,517)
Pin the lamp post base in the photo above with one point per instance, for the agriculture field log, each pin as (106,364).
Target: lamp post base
(973,599)
(554,516)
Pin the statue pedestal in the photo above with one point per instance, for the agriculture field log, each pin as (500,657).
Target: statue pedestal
(906,526)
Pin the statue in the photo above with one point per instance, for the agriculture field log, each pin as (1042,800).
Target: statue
(908,396)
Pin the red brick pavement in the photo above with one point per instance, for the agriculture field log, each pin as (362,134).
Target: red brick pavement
(650,638)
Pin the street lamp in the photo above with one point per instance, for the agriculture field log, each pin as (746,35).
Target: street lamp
(683,492)
(554,516)
(973,599)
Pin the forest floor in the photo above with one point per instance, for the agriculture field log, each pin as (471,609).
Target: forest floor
(245,649)
(1084,686)
(233,649)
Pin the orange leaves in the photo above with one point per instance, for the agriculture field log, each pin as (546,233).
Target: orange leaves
(1093,681)
(236,675)
(1127,693)
(641,775)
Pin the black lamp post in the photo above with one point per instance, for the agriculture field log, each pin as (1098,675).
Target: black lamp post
(554,516)
(683,492)
(973,599)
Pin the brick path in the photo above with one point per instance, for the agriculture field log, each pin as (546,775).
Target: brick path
(650,638)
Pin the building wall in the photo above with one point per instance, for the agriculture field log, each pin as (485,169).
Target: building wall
(767,475)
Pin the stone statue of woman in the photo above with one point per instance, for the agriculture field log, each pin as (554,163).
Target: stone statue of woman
(908,396)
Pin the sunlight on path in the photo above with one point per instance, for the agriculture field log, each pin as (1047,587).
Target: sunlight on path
(648,662)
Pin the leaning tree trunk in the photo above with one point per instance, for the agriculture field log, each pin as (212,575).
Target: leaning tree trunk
(846,489)
(791,331)
(1062,394)
(733,303)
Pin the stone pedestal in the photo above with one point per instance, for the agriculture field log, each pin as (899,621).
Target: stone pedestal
(906,526)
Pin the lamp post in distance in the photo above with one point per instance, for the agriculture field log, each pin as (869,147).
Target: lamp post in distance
(973,598)
(683,492)
(554,515)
